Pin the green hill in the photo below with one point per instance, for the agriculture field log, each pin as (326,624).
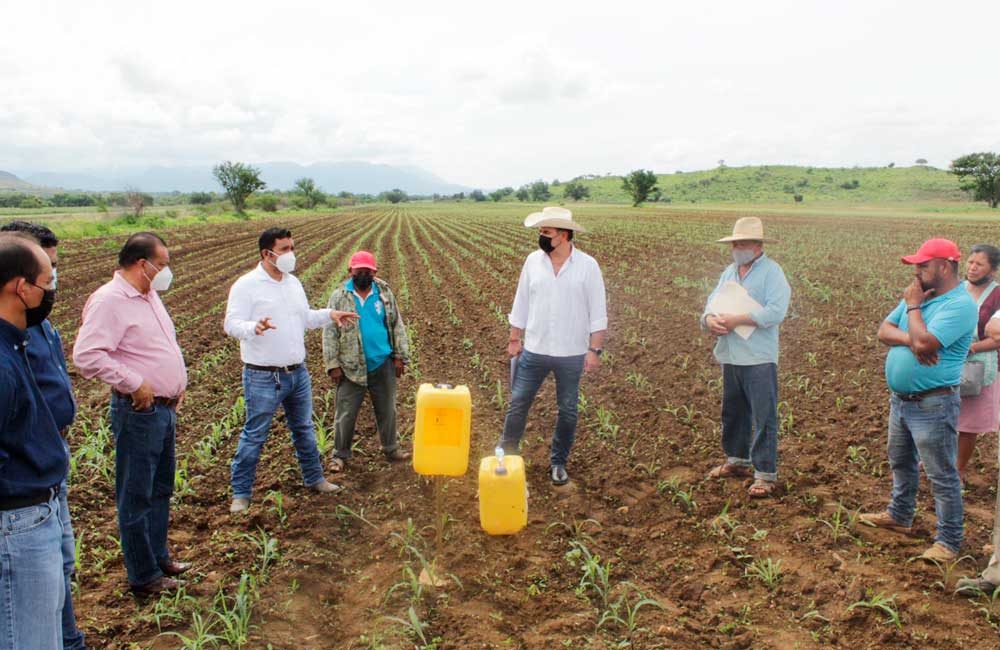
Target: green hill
(779,184)
(9,181)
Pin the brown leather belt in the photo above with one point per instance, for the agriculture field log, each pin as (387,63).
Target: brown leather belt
(169,402)
(916,397)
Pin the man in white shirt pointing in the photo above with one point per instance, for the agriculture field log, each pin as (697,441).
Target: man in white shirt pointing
(268,312)
(560,311)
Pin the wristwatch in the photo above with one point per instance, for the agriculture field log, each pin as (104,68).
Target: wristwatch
(597,351)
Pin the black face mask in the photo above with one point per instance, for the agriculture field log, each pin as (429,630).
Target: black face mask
(35,315)
(981,281)
(545,243)
(363,281)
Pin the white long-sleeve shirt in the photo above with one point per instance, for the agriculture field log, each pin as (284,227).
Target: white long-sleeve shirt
(558,313)
(255,296)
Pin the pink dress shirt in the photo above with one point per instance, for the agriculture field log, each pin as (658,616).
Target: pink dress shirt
(127,337)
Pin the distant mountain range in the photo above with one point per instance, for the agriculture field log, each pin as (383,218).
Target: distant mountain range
(10,182)
(350,176)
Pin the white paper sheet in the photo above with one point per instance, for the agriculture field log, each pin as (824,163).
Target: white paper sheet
(732,298)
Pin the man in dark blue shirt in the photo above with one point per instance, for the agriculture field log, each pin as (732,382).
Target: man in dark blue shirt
(33,460)
(48,364)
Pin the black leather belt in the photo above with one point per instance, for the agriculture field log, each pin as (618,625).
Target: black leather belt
(916,397)
(274,368)
(169,402)
(13,503)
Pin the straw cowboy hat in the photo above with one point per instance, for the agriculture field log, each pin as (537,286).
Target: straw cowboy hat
(746,229)
(553,217)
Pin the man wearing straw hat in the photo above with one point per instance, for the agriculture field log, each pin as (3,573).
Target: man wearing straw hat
(744,313)
(557,325)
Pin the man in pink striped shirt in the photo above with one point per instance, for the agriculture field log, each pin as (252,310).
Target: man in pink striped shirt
(128,341)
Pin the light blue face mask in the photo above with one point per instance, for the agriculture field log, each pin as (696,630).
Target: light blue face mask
(743,257)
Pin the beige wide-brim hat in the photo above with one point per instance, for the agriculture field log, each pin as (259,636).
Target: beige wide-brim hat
(553,217)
(746,229)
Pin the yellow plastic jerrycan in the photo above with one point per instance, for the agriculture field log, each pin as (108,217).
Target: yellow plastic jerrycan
(441,430)
(503,494)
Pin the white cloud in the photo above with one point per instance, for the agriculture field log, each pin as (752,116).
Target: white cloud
(495,95)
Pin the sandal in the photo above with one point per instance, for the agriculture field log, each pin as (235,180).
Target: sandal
(762,489)
(729,470)
(337,464)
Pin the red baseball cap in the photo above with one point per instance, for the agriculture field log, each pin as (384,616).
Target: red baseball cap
(363,260)
(932,249)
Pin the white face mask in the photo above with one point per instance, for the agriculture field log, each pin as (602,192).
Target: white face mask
(161,281)
(285,262)
(55,277)
(742,256)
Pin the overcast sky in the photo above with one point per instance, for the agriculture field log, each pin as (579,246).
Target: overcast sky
(489,94)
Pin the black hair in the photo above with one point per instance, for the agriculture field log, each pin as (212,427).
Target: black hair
(954,267)
(17,259)
(569,233)
(271,235)
(140,246)
(46,238)
(992,254)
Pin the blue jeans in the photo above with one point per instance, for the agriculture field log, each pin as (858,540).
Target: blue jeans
(750,417)
(31,578)
(925,431)
(532,369)
(72,636)
(264,392)
(144,482)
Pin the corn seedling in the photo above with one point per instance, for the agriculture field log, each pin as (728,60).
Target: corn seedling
(882,603)
(277,500)
(234,613)
(267,551)
(948,571)
(766,570)
(625,611)
(201,634)
(578,531)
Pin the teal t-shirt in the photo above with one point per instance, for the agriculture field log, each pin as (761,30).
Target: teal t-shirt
(374,332)
(951,319)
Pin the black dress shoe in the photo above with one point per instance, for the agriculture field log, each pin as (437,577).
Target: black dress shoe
(559,475)
(174,568)
(161,584)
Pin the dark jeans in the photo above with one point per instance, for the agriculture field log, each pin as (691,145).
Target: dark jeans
(750,417)
(72,636)
(264,392)
(531,371)
(925,430)
(382,387)
(144,482)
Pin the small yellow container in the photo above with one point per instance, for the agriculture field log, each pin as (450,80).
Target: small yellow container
(441,430)
(503,494)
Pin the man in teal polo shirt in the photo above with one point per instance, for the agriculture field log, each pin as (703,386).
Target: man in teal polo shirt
(929,334)
(366,358)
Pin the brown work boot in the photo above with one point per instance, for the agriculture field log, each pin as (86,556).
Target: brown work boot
(326,487)
(161,584)
(939,553)
(883,520)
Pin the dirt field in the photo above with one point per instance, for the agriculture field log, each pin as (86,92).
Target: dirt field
(335,572)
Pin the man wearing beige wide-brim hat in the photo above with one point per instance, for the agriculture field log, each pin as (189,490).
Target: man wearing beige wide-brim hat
(560,311)
(744,313)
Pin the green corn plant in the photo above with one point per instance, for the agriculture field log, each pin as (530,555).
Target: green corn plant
(882,603)
(766,570)
(277,500)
